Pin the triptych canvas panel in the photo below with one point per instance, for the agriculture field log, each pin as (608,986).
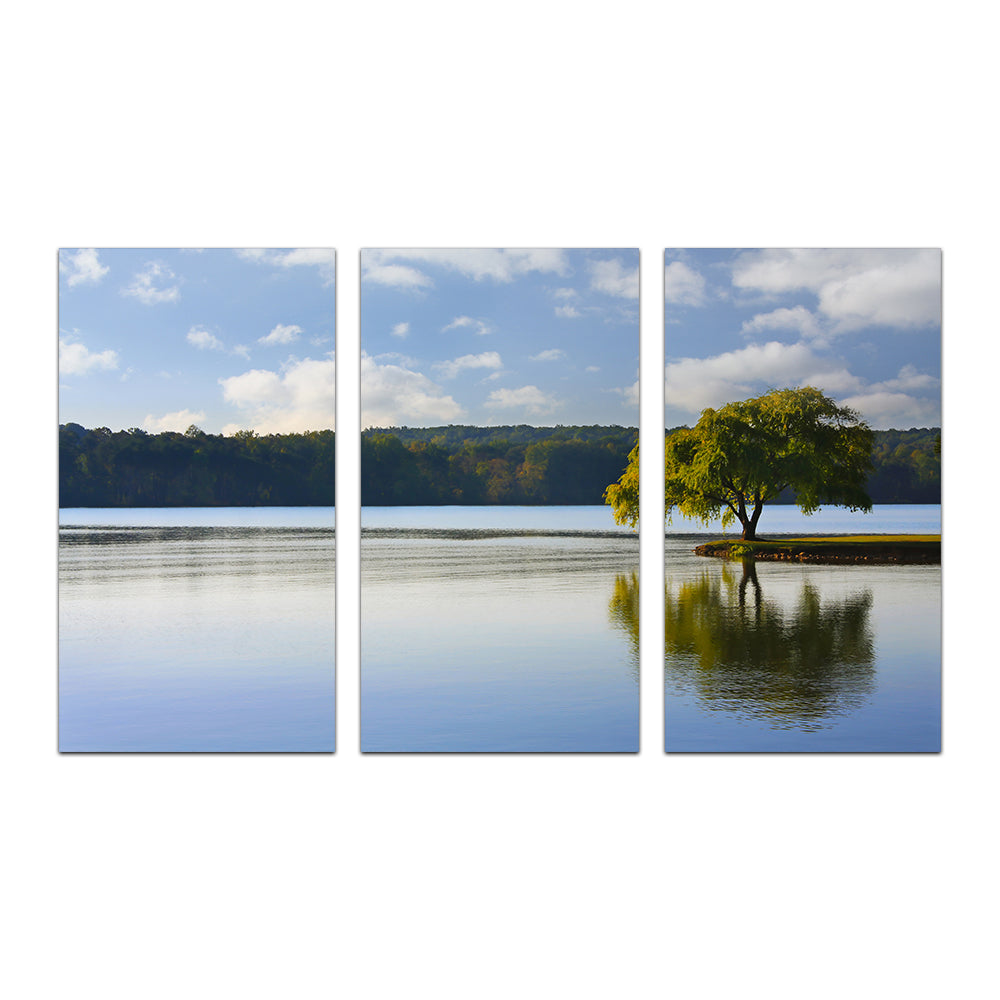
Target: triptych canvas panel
(499,398)
(500,493)
(196,493)
(803,416)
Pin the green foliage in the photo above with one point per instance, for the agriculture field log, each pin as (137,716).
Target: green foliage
(98,468)
(623,496)
(738,458)
(437,465)
(910,474)
(455,436)
(490,465)
(907,466)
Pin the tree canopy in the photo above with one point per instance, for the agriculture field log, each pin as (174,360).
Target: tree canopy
(789,444)
(739,457)
(623,496)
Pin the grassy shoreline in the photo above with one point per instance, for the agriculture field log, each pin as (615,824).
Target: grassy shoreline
(889,549)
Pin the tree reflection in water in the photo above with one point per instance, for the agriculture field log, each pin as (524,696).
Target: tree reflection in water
(623,611)
(741,653)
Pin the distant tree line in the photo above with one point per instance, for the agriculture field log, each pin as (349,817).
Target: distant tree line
(403,466)
(907,466)
(101,468)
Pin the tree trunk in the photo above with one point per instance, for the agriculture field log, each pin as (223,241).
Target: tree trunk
(750,524)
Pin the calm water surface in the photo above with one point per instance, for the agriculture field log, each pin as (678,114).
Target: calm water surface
(771,656)
(498,629)
(198,629)
(787,519)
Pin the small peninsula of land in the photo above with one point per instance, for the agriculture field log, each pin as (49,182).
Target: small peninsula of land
(868,549)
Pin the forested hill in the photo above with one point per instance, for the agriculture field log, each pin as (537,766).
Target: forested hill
(403,466)
(454,436)
(907,466)
(99,468)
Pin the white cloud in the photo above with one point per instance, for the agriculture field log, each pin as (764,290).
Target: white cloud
(449,369)
(151,285)
(242,351)
(82,267)
(630,394)
(903,297)
(612,278)
(322,258)
(798,319)
(885,409)
(462,322)
(529,397)
(400,330)
(855,288)
(910,399)
(910,380)
(392,275)
(398,358)
(300,397)
(179,420)
(257,387)
(591,368)
(682,285)
(281,334)
(552,354)
(75,359)
(393,396)
(568,312)
(692,384)
(502,266)
(204,340)
(780,271)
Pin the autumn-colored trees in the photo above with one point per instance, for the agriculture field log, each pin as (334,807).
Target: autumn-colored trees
(405,466)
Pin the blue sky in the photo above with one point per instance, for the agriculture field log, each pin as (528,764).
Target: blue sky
(490,337)
(862,325)
(225,339)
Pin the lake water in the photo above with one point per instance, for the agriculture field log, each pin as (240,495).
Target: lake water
(196,629)
(787,519)
(773,656)
(498,629)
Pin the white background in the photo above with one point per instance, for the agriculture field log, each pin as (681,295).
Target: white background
(517,124)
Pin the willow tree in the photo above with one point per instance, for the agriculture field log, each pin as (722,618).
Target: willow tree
(623,496)
(740,457)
